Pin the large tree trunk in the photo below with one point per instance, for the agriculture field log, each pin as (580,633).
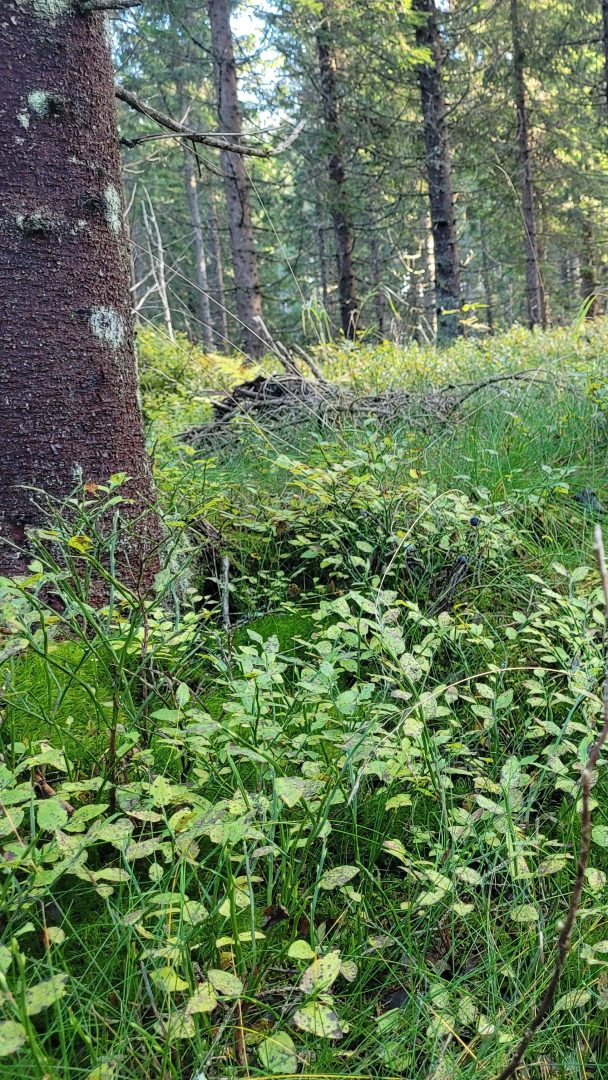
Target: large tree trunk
(339,200)
(198,243)
(534,293)
(439,174)
(215,268)
(236,181)
(68,387)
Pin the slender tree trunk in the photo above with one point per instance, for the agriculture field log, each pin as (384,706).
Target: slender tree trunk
(439,173)
(198,243)
(588,282)
(322,262)
(376,269)
(534,295)
(605,45)
(157,262)
(427,279)
(486,283)
(68,385)
(215,269)
(236,181)
(339,200)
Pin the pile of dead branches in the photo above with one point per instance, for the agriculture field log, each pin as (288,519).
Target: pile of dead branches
(290,398)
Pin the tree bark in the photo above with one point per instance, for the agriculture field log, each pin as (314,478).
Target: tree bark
(534,296)
(68,384)
(376,269)
(236,181)
(339,199)
(215,268)
(486,282)
(198,243)
(605,46)
(588,281)
(322,262)
(439,174)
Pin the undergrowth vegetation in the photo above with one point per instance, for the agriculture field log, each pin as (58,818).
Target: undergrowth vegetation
(313,806)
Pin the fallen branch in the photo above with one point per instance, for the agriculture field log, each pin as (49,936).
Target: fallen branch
(563,942)
(204,138)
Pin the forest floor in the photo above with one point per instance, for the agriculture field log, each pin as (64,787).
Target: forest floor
(314,808)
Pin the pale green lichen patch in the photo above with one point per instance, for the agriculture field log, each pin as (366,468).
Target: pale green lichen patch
(111,198)
(47,9)
(24,119)
(40,102)
(37,222)
(108,326)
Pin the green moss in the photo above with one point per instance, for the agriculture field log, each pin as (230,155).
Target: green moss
(285,626)
(60,698)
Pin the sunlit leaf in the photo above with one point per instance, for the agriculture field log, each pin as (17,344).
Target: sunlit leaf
(333,879)
(316,1018)
(43,994)
(12,1037)
(323,971)
(225,983)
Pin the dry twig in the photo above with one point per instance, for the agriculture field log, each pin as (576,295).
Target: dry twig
(206,138)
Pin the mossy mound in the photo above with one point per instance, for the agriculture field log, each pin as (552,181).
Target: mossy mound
(63,696)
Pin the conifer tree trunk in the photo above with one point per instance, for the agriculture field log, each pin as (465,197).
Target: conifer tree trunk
(198,244)
(605,45)
(439,173)
(588,281)
(339,201)
(215,269)
(486,282)
(376,269)
(236,181)
(534,293)
(68,387)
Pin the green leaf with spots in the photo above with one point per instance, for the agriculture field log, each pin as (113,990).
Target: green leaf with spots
(317,1018)
(524,913)
(203,1000)
(168,979)
(277,1054)
(43,994)
(300,950)
(323,971)
(334,879)
(12,1037)
(572,1000)
(225,983)
(290,789)
(51,815)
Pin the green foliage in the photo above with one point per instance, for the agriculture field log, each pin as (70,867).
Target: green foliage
(339,836)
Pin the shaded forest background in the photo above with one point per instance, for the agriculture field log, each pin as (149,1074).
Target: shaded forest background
(341,219)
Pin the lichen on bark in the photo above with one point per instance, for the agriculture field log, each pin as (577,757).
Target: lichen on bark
(47,9)
(111,198)
(108,325)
